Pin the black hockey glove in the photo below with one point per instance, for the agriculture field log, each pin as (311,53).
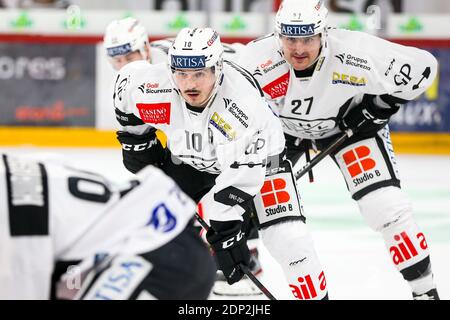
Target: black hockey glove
(367,118)
(139,151)
(230,247)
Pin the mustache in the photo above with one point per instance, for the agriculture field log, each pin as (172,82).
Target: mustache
(191,91)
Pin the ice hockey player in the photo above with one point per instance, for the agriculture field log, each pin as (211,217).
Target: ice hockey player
(125,41)
(70,234)
(325,81)
(217,122)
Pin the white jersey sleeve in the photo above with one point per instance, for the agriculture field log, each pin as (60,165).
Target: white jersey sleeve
(397,70)
(128,80)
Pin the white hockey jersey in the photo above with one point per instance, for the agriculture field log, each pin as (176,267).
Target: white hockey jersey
(50,212)
(232,138)
(351,64)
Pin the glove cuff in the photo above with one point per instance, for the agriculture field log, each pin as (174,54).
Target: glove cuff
(378,107)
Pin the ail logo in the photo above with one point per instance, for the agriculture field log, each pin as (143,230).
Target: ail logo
(272,192)
(405,249)
(358,160)
(305,289)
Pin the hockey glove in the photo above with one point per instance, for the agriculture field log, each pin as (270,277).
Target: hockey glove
(138,151)
(229,244)
(367,118)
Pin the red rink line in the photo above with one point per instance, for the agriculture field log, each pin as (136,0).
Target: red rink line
(83,39)
(93,39)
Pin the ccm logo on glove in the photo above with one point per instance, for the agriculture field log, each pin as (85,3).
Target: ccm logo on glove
(140,147)
(228,243)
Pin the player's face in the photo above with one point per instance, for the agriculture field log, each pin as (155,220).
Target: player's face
(119,61)
(300,53)
(195,85)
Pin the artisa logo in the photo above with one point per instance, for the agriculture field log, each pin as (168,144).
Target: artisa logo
(297,30)
(348,79)
(188,62)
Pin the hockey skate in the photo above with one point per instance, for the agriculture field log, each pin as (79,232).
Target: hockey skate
(244,287)
(430,295)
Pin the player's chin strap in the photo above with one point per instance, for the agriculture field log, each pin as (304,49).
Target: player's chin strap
(244,268)
(311,163)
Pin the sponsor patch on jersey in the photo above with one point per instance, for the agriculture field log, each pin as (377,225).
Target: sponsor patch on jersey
(120,280)
(220,124)
(297,30)
(154,113)
(236,112)
(278,87)
(351,60)
(342,78)
(153,88)
(188,62)
(272,67)
(162,219)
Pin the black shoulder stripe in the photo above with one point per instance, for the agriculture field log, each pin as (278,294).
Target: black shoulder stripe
(28,214)
(127,119)
(247,75)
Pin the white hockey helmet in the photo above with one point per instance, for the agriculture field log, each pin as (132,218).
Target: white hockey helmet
(301,18)
(125,36)
(195,49)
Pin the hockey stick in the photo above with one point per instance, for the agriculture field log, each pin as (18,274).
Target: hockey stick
(244,268)
(336,143)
